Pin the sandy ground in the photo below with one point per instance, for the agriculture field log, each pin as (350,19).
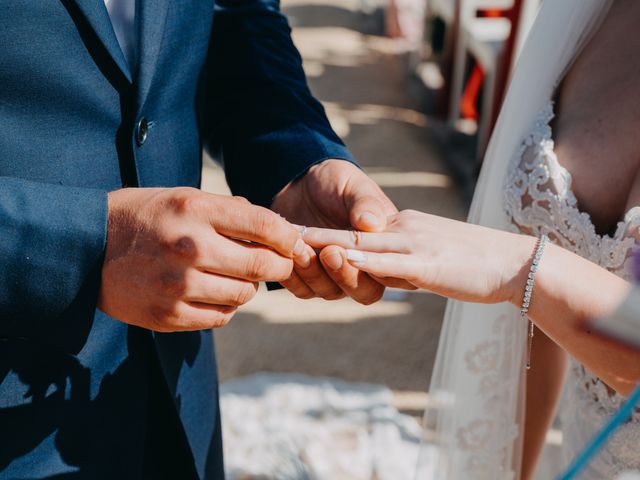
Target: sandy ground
(359,77)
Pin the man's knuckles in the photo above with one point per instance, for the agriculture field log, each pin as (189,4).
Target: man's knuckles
(242,294)
(264,222)
(183,200)
(270,225)
(182,246)
(172,284)
(263,265)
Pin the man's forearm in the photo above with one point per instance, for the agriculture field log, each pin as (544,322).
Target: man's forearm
(259,108)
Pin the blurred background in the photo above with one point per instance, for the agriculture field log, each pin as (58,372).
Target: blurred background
(336,390)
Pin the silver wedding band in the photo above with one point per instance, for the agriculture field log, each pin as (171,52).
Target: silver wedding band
(357,237)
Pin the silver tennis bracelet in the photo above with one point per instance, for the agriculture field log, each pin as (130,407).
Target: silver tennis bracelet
(528,290)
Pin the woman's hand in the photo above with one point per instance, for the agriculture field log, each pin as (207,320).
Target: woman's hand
(451,258)
(479,264)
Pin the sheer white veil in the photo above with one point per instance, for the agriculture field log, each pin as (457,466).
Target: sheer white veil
(473,424)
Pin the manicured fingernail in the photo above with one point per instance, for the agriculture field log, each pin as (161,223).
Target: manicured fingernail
(356,256)
(369,218)
(303,261)
(333,261)
(299,247)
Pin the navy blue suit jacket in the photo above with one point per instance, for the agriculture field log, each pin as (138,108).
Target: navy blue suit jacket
(75,384)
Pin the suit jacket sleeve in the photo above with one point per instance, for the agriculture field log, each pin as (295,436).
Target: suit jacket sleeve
(52,241)
(259,108)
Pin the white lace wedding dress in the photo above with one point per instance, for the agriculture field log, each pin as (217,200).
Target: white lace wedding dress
(539,200)
(478,384)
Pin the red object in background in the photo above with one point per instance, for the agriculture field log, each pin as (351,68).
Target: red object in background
(493,13)
(469,100)
(468,105)
(442,102)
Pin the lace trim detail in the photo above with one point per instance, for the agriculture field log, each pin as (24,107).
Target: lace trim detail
(486,440)
(539,199)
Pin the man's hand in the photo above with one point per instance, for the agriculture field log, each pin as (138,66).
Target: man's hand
(181,259)
(334,194)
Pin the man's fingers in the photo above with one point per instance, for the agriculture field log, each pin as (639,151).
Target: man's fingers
(297,286)
(355,283)
(311,272)
(246,261)
(394,265)
(244,221)
(208,316)
(351,239)
(190,316)
(214,289)
(369,214)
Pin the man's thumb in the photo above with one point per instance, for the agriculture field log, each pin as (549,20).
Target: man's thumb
(368,214)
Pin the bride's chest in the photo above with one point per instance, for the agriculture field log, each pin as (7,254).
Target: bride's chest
(539,198)
(602,155)
(598,118)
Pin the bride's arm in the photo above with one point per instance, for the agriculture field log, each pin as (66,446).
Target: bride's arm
(473,263)
(570,290)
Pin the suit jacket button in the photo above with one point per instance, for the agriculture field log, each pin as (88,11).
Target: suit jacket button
(142,130)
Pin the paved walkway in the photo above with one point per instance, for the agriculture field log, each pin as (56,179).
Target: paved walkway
(359,77)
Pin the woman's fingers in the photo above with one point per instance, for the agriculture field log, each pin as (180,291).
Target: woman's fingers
(394,265)
(373,242)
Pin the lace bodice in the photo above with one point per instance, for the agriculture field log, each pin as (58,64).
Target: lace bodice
(539,199)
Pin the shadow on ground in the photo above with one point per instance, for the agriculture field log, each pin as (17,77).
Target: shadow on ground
(377,344)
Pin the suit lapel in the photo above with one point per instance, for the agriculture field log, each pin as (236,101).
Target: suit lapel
(97,16)
(152,15)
